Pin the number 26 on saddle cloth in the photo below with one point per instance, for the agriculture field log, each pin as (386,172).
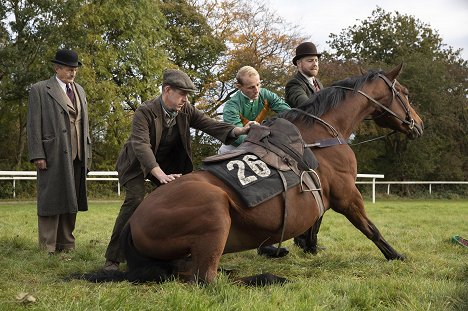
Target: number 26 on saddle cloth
(252,179)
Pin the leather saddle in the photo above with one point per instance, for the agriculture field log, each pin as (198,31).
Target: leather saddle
(279,144)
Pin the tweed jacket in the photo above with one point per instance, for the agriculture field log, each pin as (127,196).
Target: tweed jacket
(49,137)
(298,90)
(138,155)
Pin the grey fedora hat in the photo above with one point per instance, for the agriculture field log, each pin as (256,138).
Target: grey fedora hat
(178,79)
(305,49)
(66,57)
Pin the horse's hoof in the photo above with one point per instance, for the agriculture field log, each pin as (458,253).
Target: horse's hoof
(227,271)
(314,250)
(263,280)
(271,251)
(397,257)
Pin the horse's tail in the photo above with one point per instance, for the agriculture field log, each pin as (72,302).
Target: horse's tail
(141,269)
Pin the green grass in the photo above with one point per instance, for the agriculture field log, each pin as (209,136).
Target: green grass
(351,274)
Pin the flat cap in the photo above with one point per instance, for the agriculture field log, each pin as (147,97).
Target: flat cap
(178,79)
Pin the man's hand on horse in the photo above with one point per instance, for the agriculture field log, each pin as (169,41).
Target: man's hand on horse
(243,130)
(163,177)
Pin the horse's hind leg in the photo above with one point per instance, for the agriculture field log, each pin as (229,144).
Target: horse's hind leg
(353,209)
(209,242)
(206,254)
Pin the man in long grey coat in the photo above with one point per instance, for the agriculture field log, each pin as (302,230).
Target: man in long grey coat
(159,148)
(60,148)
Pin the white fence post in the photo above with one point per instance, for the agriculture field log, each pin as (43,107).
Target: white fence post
(373,177)
(373,190)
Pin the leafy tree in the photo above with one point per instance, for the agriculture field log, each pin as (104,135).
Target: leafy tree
(192,45)
(436,78)
(121,44)
(253,35)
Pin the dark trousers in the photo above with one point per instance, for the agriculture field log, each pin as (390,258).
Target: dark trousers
(134,194)
(55,232)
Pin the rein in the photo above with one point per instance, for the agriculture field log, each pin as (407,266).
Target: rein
(337,140)
(391,85)
(374,139)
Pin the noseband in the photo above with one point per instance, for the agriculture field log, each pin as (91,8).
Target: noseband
(408,119)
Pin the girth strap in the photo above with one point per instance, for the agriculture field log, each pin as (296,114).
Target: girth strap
(285,215)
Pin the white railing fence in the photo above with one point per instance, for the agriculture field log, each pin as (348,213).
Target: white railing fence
(32,175)
(429,183)
(112,176)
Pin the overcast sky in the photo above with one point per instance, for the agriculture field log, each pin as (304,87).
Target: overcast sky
(317,19)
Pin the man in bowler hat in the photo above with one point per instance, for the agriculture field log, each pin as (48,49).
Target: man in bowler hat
(60,148)
(159,148)
(298,90)
(305,82)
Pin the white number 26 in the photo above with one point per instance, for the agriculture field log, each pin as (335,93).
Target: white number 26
(257,166)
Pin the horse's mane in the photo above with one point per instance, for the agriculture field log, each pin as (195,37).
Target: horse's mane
(330,97)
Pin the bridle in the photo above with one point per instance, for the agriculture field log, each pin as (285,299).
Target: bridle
(408,119)
(336,137)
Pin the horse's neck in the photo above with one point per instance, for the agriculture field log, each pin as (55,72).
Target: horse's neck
(348,115)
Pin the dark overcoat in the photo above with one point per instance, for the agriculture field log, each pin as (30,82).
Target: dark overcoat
(298,90)
(138,156)
(49,138)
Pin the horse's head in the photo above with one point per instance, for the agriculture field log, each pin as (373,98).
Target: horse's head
(394,109)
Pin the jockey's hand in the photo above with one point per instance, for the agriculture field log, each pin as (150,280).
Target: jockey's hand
(243,130)
(41,164)
(163,177)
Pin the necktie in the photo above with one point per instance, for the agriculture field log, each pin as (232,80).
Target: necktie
(70,94)
(317,87)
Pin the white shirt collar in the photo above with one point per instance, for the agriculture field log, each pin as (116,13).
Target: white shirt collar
(62,84)
(248,98)
(310,79)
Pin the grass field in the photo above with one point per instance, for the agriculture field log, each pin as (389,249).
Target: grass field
(351,274)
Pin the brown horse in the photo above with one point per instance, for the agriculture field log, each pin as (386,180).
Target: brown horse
(185,226)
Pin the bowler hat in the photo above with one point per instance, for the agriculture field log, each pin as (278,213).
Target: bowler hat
(305,49)
(66,57)
(178,79)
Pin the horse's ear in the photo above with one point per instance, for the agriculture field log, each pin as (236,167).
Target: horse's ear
(362,70)
(392,75)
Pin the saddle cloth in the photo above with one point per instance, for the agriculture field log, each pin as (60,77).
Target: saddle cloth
(252,179)
(278,145)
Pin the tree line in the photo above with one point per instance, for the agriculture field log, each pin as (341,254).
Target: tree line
(125,46)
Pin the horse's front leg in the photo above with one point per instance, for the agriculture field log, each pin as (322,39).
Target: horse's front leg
(353,208)
(308,240)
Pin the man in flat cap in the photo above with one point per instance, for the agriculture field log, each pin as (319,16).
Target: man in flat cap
(304,83)
(159,148)
(60,148)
